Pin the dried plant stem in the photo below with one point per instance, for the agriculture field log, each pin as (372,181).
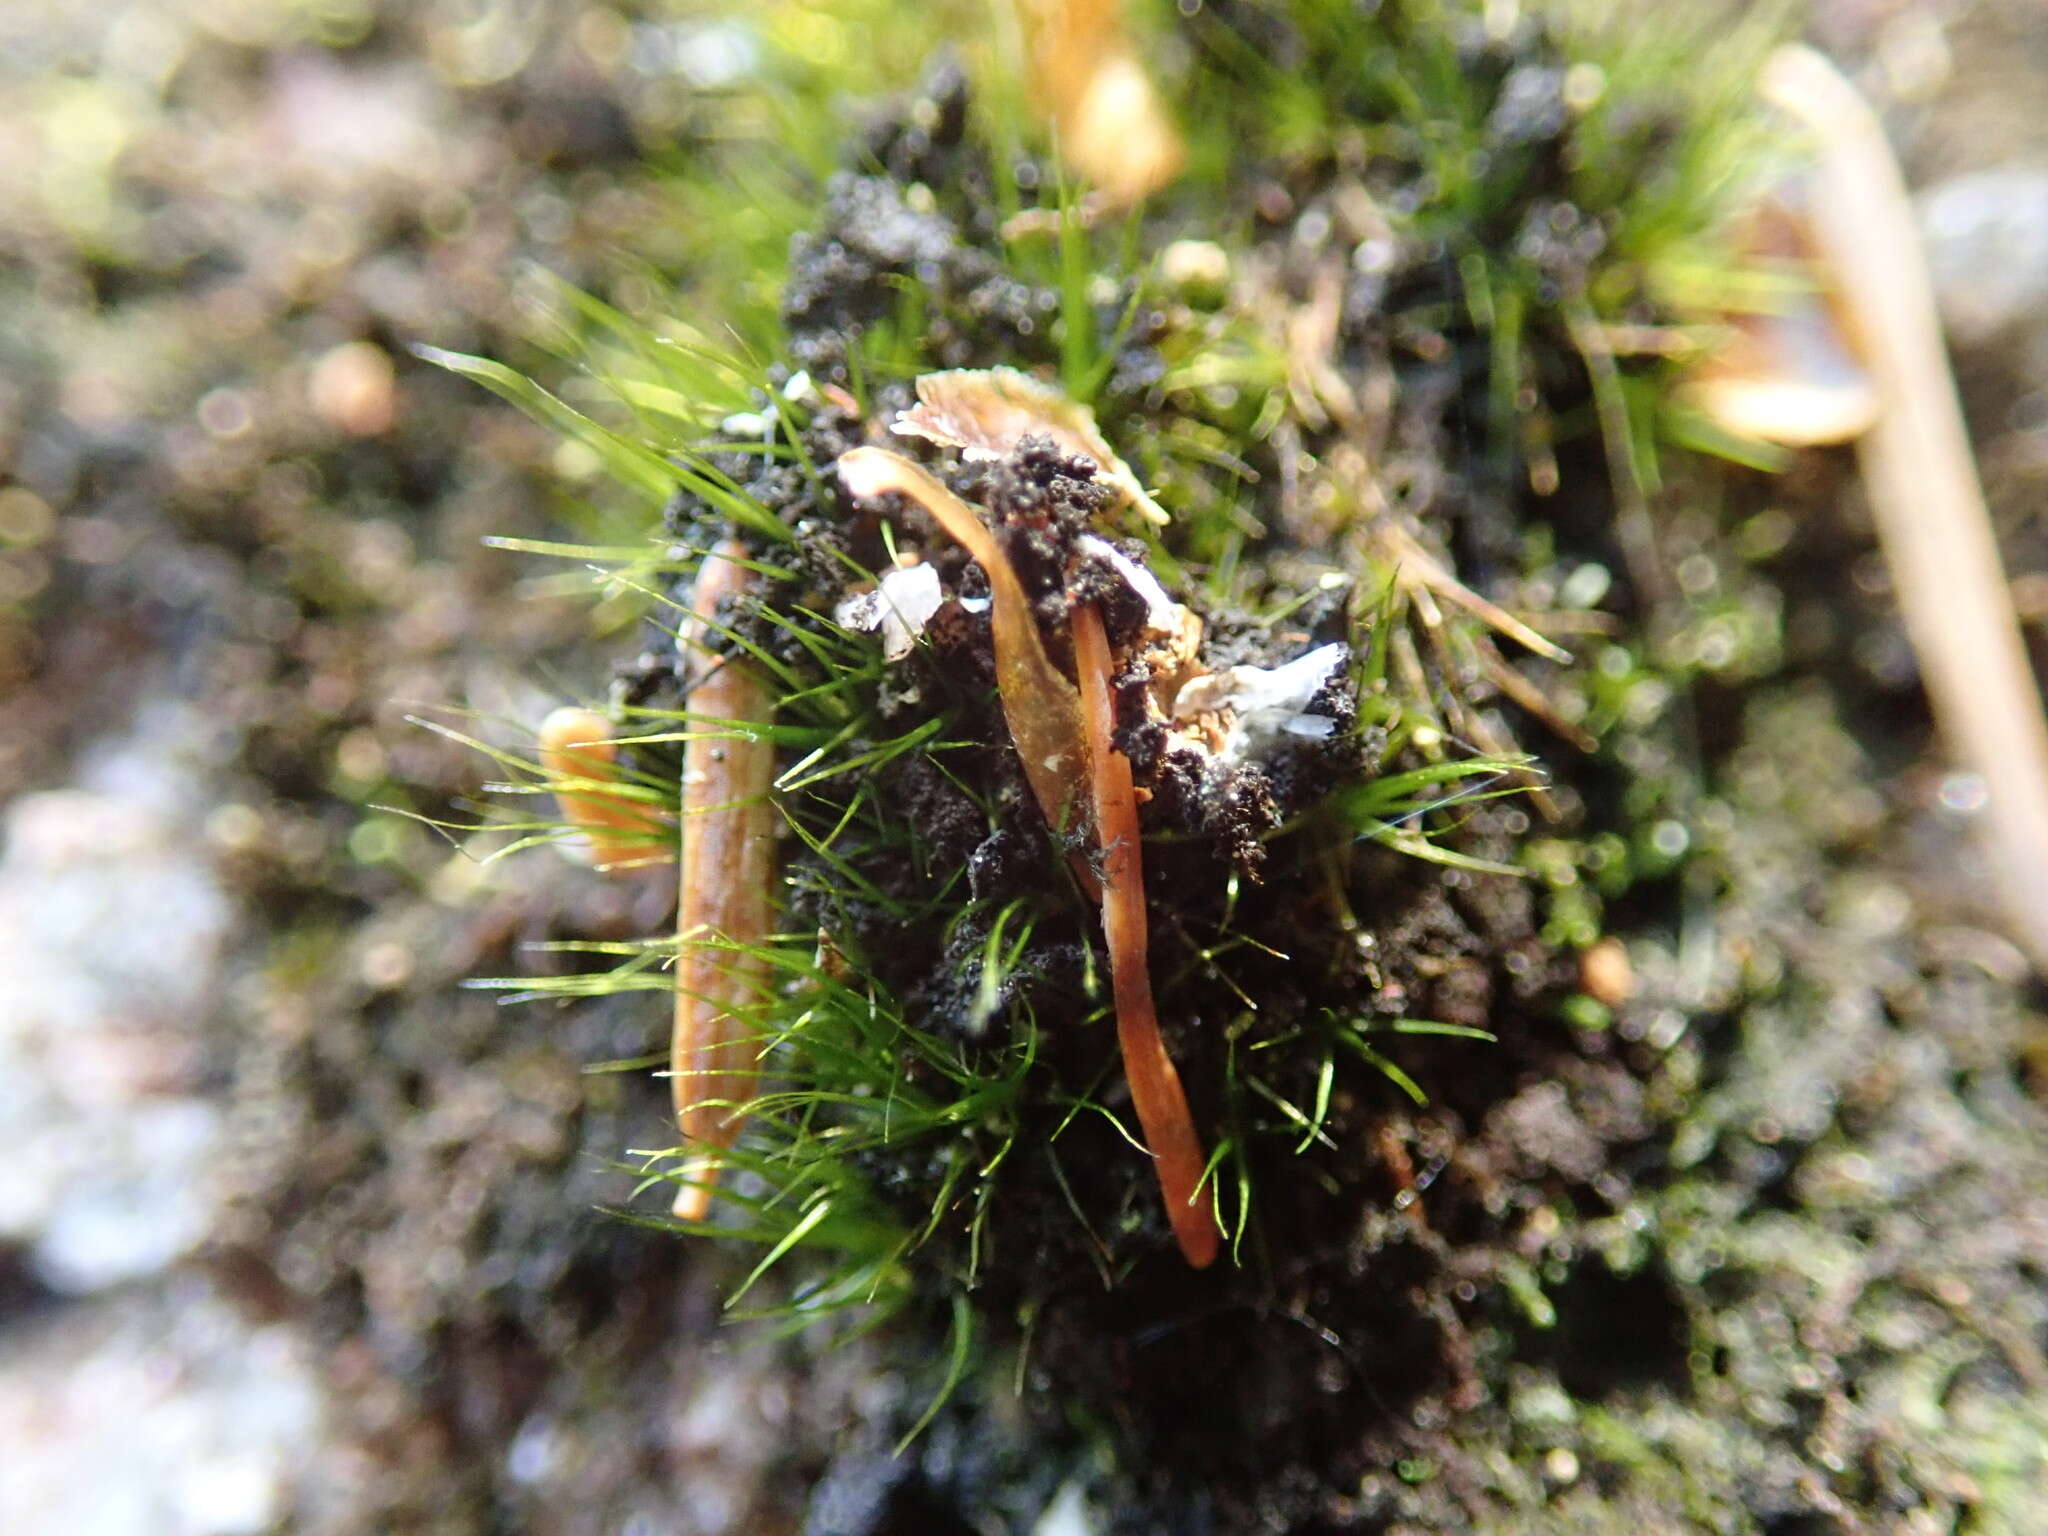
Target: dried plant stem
(1418,570)
(1156,1091)
(724,913)
(1922,481)
(579,758)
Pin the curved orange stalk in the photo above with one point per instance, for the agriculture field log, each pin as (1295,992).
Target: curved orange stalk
(1156,1092)
(578,755)
(728,864)
(1041,707)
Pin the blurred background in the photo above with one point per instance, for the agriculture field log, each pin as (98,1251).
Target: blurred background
(295,1233)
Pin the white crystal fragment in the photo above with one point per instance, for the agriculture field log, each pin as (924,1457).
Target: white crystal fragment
(900,608)
(1163,615)
(1316,727)
(1260,703)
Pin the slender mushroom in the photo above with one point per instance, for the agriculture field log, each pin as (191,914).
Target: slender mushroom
(1041,706)
(1156,1090)
(724,913)
(1922,481)
(1062,736)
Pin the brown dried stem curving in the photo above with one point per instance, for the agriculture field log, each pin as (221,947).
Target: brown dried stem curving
(1040,705)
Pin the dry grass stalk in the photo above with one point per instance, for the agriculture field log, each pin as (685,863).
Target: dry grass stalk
(1922,481)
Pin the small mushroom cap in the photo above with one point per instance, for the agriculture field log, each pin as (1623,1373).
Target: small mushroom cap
(1113,127)
(1117,132)
(1790,374)
(1786,377)
(578,755)
(986,412)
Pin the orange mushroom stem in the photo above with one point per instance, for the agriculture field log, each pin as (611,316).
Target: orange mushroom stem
(1063,736)
(1156,1091)
(724,913)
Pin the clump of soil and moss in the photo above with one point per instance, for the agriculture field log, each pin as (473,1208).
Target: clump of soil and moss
(1483,1183)
(1320,989)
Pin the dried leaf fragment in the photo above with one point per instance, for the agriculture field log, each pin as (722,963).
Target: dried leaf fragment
(986,412)
(724,913)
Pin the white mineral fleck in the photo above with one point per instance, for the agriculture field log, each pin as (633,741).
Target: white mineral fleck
(1163,614)
(900,608)
(1262,703)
